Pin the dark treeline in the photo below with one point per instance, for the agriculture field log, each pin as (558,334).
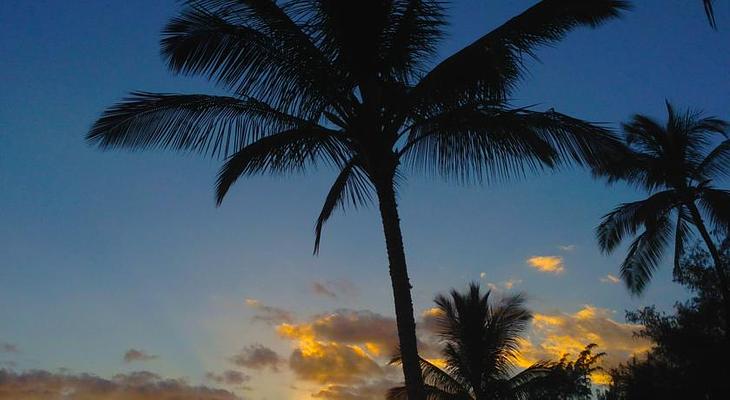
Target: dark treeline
(689,357)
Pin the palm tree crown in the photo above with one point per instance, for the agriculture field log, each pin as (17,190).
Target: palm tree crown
(480,343)
(356,85)
(676,162)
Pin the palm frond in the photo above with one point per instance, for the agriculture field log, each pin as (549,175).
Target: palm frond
(709,10)
(682,236)
(479,142)
(352,186)
(438,379)
(491,66)
(212,125)
(253,48)
(284,152)
(627,218)
(645,253)
(413,37)
(717,162)
(716,205)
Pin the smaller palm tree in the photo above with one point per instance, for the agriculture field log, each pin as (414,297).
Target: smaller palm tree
(480,346)
(676,163)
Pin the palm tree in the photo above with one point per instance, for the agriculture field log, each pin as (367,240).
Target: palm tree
(676,163)
(348,84)
(480,346)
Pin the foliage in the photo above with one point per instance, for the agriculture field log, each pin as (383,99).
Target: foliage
(676,162)
(689,346)
(480,345)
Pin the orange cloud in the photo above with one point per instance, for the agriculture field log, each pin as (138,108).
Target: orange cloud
(553,335)
(611,279)
(43,385)
(549,264)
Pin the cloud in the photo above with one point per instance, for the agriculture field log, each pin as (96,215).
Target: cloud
(133,355)
(342,347)
(553,335)
(228,377)
(44,385)
(549,264)
(375,390)
(334,289)
(567,247)
(268,314)
(257,357)
(482,275)
(611,279)
(8,348)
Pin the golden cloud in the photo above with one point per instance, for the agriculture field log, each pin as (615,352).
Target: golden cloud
(553,335)
(375,390)
(549,264)
(43,385)
(611,279)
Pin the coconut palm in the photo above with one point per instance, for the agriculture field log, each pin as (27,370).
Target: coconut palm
(481,344)
(676,163)
(354,85)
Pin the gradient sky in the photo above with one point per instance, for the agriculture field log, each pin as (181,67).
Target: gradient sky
(105,252)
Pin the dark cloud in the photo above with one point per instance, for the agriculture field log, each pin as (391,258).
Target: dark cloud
(268,314)
(335,289)
(8,348)
(374,390)
(257,357)
(44,385)
(228,377)
(133,355)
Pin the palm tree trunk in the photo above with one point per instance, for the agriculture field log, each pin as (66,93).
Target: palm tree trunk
(719,268)
(401,290)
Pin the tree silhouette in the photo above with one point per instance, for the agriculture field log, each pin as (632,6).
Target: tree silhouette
(675,162)
(480,347)
(686,360)
(354,85)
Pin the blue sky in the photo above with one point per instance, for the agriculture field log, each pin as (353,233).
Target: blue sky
(103,252)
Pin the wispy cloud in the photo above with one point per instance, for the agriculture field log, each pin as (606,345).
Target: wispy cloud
(268,314)
(257,357)
(335,289)
(548,264)
(38,385)
(133,355)
(611,279)
(567,247)
(229,377)
(8,348)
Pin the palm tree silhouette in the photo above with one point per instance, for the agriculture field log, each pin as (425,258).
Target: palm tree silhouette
(481,345)
(347,84)
(676,163)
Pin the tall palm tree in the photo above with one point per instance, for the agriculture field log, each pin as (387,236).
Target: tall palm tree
(676,163)
(354,85)
(480,347)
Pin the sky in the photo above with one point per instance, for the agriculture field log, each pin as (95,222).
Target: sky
(118,271)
